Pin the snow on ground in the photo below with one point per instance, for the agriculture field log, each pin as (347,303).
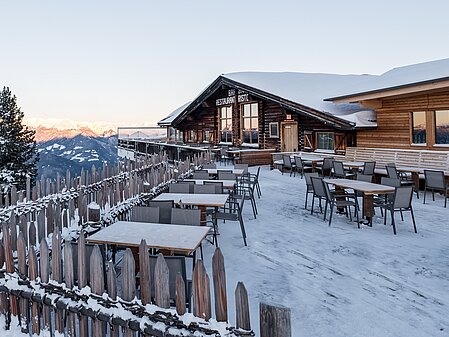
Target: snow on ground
(340,280)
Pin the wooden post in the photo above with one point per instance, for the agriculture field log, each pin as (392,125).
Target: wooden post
(33,274)
(22,267)
(93,212)
(82,280)
(70,283)
(56,274)
(219,276)
(28,189)
(242,307)
(180,295)
(4,303)
(32,234)
(161,283)
(45,272)
(112,292)
(9,265)
(128,282)
(201,292)
(13,231)
(275,321)
(97,286)
(144,269)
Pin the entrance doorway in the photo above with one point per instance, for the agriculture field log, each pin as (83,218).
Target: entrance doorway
(289,137)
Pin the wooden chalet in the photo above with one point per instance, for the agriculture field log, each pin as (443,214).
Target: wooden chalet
(277,111)
(411,105)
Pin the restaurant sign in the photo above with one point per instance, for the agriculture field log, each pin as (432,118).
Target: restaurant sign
(241,98)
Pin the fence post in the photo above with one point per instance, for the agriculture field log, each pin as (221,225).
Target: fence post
(45,272)
(4,304)
(128,282)
(70,283)
(144,268)
(33,274)
(97,285)
(112,292)
(9,264)
(180,295)
(201,291)
(242,307)
(82,279)
(275,321)
(161,283)
(219,277)
(22,267)
(56,274)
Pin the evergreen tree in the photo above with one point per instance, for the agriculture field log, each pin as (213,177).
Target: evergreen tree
(18,150)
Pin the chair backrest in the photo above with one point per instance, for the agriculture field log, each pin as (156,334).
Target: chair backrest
(218,186)
(309,175)
(327,190)
(182,216)
(391,172)
(203,189)
(165,207)
(203,175)
(210,166)
(298,162)
(393,182)
(287,161)
(434,179)
(365,177)
(318,187)
(258,172)
(179,188)
(175,264)
(391,164)
(369,167)
(327,163)
(145,214)
(242,166)
(226,175)
(403,197)
(339,170)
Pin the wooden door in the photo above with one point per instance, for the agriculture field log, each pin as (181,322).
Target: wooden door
(289,137)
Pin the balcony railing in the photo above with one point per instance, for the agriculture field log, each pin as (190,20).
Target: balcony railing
(150,133)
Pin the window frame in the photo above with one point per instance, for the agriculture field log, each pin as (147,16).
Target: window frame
(435,127)
(271,135)
(412,131)
(251,117)
(317,143)
(220,121)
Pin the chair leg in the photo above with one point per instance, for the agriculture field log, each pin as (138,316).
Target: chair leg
(392,221)
(425,190)
(385,217)
(402,216)
(433,195)
(313,202)
(325,210)
(201,251)
(331,213)
(413,220)
(242,228)
(307,194)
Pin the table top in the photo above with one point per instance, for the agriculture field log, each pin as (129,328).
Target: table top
(228,184)
(206,200)
(362,186)
(182,238)
(412,169)
(353,163)
(238,172)
(309,158)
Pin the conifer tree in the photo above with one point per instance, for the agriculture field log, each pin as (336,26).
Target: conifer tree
(18,150)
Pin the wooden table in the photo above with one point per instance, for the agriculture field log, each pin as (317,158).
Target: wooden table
(237,172)
(182,238)
(368,190)
(310,159)
(227,184)
(415,172)
(354,165)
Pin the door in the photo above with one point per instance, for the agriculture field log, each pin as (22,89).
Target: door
(289,137)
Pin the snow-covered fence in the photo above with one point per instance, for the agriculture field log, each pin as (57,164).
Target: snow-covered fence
(65,289)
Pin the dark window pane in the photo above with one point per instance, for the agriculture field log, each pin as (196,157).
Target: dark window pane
(419,127)
(442,127)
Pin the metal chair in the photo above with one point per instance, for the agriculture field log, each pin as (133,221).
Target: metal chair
(301,166)
(309,187)
(180,187)
(183,216)
(233,213)
(365,177)
(242,166)
(218,186)
(339,170)
(318,193)
(369,167)
(200,175)
(393,173)
(209,166)
(326,168)
(165,207)
(340,201)
(435,181)
(287,164)
(401,201)
(145,214)
(204,189)
(244,189)
(226,175)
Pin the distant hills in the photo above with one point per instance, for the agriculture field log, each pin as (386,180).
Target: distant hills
(64,144)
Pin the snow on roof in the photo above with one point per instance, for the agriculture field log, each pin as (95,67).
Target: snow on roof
(310,89)
(167,120)
(400,76)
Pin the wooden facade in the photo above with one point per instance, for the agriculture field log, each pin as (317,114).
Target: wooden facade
(281,125)
(395,124)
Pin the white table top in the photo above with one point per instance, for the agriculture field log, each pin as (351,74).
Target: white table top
(163,236)
(362,186)
(206,200)
(229,184)
(238,172)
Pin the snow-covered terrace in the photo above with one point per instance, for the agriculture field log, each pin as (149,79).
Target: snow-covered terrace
(340,280)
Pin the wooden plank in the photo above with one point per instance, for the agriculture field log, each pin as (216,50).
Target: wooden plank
(70,283)
(144,270)
(32,234)
(23,273)
(9,265)
(128,282)
(242,307)
(33,275)
(56,274)
(201,291)
(4,303)
(180,295)
(161,283)
(275,321)
(219,278)
(112,292)
(97,286)
(41,225)
(45,273)
(82,279)
(13,231)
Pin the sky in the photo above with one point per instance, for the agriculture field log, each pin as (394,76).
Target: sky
(133,62)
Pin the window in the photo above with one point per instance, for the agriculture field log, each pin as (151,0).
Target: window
(192,136)
(274,130)
(206,136)
(225,113)
(419,127)
(442,127)
(250,118)
(171,134)
(325,140)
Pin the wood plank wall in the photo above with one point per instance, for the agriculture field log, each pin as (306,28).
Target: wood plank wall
(394,121)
